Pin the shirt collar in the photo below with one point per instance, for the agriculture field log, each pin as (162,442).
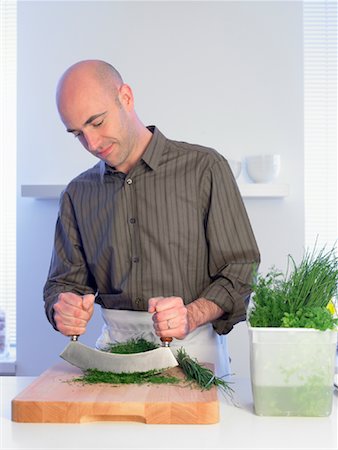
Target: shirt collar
(151,156)
(154,151)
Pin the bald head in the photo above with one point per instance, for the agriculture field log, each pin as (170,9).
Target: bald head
(87,72)
(97,107)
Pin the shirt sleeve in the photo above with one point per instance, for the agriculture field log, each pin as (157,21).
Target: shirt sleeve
(68,271)
(233,252)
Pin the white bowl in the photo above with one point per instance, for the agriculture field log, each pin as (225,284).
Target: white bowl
(263,168)
(235,167)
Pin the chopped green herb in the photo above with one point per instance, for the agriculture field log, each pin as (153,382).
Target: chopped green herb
(94,376)
(191,368)
(132,346)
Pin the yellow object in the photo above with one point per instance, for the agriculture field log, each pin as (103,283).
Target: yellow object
(331,307)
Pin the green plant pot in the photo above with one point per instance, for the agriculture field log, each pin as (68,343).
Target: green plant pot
(292,371)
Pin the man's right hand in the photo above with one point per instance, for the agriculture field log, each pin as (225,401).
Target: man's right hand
(72,312)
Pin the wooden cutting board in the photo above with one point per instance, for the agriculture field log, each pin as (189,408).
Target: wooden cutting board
(54,398)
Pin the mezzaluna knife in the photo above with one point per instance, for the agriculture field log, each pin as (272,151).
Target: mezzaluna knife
(85,357)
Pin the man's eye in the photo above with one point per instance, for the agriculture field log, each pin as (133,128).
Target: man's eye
(97,124)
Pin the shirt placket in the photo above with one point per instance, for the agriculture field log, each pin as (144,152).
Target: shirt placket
(135,248)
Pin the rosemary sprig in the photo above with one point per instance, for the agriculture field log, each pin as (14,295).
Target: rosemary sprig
(202,375)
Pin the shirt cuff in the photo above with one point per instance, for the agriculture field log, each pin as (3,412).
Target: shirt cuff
(50,312)
(232,303)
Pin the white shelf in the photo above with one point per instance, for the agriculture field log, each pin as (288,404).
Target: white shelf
(248,190)
(272,190)
(42,191)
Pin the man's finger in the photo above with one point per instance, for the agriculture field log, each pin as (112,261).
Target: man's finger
(71,330)
(167,314)
(70,321)
(70,298)
(88,301)
(168,303)
(163,303)
(66,310)
(153,302)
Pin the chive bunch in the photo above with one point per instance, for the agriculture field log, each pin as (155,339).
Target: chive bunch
(200,374)
(314,282)
(299,298)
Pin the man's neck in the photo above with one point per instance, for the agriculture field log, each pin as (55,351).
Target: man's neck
(142,139)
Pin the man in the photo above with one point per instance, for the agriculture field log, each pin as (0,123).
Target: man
(156,226)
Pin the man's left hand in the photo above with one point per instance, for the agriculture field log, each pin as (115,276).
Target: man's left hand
(170,317)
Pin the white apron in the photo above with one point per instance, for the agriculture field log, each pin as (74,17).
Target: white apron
(203,343)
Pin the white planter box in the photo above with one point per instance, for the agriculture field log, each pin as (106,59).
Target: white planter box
(292,371)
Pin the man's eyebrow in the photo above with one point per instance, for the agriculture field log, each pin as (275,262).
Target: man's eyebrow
(88,121)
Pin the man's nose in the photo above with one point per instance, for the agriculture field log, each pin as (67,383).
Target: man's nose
(92,140)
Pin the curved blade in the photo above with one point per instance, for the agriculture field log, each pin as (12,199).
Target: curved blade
(84,357)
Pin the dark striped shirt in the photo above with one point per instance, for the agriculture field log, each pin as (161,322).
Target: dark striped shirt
(175,225)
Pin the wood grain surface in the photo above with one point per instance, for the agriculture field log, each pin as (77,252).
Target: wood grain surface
(54,398)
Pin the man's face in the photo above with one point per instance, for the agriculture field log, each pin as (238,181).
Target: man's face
(100,119)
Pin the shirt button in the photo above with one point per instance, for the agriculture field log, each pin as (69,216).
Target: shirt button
(132,220)
(129,181)
(136,259)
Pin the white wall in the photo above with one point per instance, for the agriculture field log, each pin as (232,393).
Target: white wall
(223,74)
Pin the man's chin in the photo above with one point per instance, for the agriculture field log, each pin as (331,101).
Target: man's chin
(104,155)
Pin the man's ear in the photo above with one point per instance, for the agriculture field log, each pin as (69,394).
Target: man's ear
(126,97)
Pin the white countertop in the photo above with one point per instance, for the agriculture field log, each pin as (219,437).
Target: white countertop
(239,428)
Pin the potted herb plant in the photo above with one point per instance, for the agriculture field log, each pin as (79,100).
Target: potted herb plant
(293,337)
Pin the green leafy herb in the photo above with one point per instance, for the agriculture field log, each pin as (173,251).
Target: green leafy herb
(132,346)
(269,300)
(300,298)
(200,374)
(192,370)
(312,317)
(94,376)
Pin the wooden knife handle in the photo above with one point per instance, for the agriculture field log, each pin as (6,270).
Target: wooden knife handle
(166,341)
